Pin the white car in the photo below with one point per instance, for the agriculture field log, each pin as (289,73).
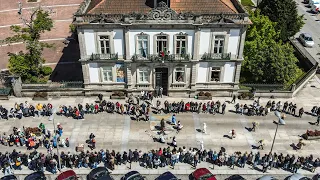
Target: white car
(311,2)
(306,39)
(315,8)
(298,176)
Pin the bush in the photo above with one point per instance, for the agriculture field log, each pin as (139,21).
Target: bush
(118,93)
(46,70)
(41,94)
(201,93)
(208,94)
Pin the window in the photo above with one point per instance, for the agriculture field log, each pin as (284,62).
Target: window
(143,75)
(215,74)
(142,45)
(181,44)
(162,44)
(218,44)
(106,74)
(179,74)
(104,44)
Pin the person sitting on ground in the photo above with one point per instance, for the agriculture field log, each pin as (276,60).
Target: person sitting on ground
(179,126)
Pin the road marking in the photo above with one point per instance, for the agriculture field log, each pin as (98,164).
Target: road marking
(125,134)
(59,20)
(248,135)
(60,5)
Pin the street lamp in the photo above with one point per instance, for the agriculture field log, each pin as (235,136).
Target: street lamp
(51,118)
(281,122)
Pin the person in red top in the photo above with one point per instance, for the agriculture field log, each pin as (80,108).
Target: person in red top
(160,152)
(96,108)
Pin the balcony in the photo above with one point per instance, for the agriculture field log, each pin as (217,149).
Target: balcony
(157,57)
(215,56)
(98,57)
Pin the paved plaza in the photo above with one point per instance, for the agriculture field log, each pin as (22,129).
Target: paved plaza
(121,132)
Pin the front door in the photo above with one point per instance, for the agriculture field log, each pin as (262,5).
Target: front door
(162,79)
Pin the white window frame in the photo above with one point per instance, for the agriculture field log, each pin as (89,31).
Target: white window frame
(215,69)
(180,41)
(156,49)
(110,69)
(183,69)
(147,75)
(219,49)
(105,43)
(138,43)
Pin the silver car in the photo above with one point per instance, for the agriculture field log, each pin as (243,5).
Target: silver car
(306,39)
(298,176)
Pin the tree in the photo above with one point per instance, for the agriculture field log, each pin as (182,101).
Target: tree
(285,13)
(28,64)
(265,59)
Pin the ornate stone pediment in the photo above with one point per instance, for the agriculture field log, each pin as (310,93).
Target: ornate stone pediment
(105,18)
(163,12)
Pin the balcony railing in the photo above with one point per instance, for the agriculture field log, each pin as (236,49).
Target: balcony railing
(103,57)
(157,57)
(215,56)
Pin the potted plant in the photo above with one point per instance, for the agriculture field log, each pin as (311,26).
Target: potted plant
(40,96)
(204,95)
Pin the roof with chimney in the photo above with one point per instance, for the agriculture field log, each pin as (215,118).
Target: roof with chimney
(180,6)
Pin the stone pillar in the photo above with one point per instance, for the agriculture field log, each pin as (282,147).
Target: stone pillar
(133,75)
(127,43)
(194,72)
(16,86)
(82,45)
(241,45)
(196,43)
(85,73)
(237,73)
(128,74)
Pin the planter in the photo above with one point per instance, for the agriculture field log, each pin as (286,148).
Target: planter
(117,97)
(306,137)
(204,97)
(40,98)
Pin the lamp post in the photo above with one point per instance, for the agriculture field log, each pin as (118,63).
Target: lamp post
(281,122)
(51,118)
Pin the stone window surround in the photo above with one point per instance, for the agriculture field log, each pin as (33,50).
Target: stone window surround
(155,42)
(222,70)
(175,42)
(112,65)
(111,41)
(218,32)
(137,44)
(184,75)
(138,74)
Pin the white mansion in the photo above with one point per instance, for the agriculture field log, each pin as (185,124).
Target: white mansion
(183,46)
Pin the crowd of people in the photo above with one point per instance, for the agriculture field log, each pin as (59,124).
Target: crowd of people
(162,157)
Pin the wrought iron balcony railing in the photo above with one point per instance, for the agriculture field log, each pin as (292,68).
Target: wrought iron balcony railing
(215,56)
(157,57)
(103,57)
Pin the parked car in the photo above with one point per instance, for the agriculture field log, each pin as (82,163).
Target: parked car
(267,177)
(236,177)
(202,174)
(99,172)
(316,177)
(133,175)
(315,8)
(306,39)
(9,177)
(36,176)
(306,1)
(311,2)
(67,175)
(298,176)
(167,176)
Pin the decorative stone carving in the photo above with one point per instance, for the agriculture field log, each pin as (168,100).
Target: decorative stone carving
(106,18)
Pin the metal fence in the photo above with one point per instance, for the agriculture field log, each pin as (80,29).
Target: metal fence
(53,85)
(268,87)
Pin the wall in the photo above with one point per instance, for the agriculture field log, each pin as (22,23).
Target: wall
(205,36)
(89,40)
(118,42)
(233,43)
(229,68)
(94,73)
(202,72)
(152,33)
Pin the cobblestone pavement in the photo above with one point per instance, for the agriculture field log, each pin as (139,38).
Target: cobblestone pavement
(120,132)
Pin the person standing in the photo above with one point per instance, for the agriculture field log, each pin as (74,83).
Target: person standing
(195,160)
(318,121)
(223,108)
(301,111)
(265,166)
(160,91)
(233,99)
(254,125)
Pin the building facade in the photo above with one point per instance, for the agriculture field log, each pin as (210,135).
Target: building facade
(183,47)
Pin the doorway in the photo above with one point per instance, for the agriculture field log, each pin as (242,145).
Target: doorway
(162,79)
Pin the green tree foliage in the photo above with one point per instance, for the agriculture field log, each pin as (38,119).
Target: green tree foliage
(285,13)
(28,64)
(265,59)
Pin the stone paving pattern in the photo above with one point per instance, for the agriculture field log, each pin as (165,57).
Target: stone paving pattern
(120,132)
